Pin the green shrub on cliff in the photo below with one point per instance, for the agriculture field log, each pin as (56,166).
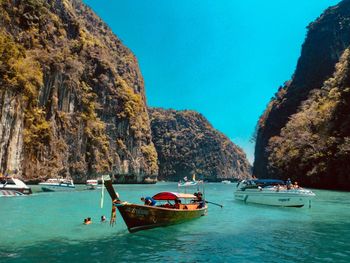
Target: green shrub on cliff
(37,132)
(22,74)
(19,71)
(151,157)
(132,102)
(95,131)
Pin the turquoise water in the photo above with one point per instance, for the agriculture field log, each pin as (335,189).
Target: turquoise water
(47,227)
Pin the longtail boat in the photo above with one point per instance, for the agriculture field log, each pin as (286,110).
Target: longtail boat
(140,217)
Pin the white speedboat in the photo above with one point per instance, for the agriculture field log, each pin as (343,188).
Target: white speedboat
(91,184)
(226,181)
(57,184)
(272,192)
(10,186)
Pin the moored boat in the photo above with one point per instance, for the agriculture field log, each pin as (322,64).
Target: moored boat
(226,181)
(273,192)
(57,184)
(10,186)
(169,210)
(91,184)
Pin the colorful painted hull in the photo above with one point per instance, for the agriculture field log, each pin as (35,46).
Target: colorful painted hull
(8,193)
(141,217)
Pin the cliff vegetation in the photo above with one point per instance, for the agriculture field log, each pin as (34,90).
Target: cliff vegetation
(72,97)
(304,132)
(187,144)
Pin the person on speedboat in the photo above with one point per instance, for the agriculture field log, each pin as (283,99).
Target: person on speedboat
(296,186)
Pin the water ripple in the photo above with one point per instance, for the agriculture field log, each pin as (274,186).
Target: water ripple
(237,233)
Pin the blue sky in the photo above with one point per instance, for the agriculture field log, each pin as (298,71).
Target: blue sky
(223,58)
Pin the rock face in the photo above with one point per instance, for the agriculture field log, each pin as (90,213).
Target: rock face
(304,133)
(187,144)
(72,97)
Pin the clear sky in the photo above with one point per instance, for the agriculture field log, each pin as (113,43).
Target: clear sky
(223,58)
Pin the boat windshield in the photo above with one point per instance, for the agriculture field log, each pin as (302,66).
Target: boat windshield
(267,182)
(52,180)
(260,183)
(6,181)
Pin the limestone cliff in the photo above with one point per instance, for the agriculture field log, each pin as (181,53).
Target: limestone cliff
(186,143)
(304,132)
(71,96)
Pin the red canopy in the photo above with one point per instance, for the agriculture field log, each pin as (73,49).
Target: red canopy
(172,196)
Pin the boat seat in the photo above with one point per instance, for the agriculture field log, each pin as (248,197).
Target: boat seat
(188,206)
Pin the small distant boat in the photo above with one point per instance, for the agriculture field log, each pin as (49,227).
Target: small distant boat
(91,184)
(272,192)
(57,184)
(10,186)
(186,183)
(141,217)
(226,182)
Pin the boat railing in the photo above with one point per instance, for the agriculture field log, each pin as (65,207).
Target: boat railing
(282,188)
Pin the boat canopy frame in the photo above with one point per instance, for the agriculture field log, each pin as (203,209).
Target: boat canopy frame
(165,196)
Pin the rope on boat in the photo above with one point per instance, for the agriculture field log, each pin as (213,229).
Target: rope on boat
(113,215)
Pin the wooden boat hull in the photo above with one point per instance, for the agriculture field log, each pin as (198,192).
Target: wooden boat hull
(141,217)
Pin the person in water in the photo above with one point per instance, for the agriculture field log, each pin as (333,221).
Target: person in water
(148,201)
(87,221)
(103,219)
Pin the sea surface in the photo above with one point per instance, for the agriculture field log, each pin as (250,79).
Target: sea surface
(47,227)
